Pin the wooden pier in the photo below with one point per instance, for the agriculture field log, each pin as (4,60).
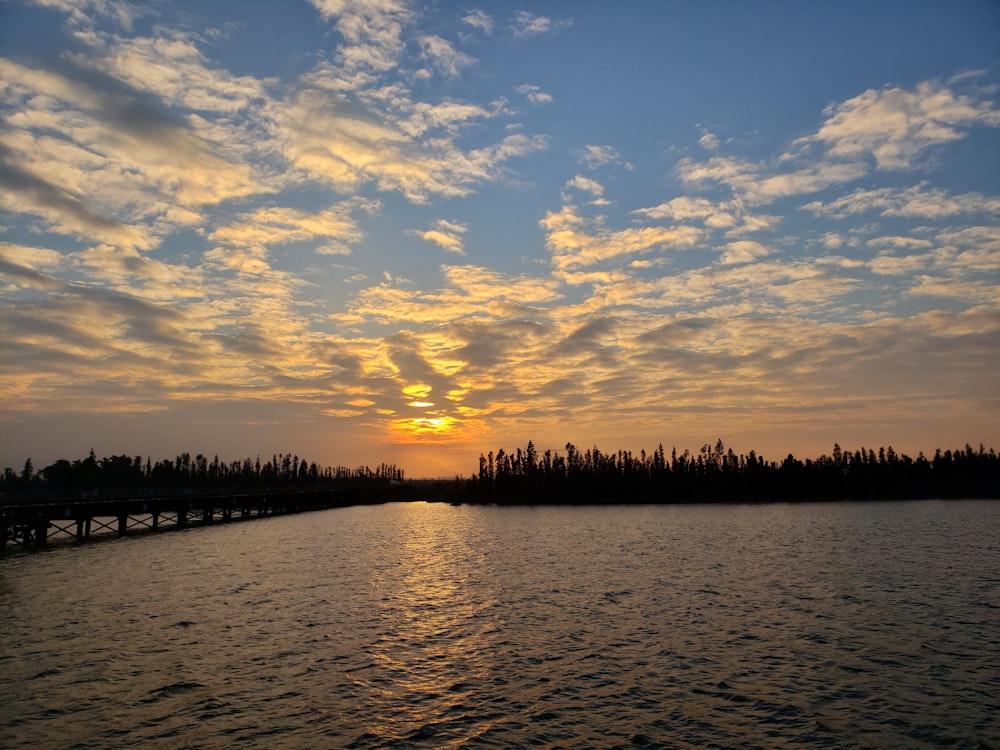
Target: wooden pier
(33,521)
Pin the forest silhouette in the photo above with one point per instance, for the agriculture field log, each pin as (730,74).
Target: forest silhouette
(123,472)
(714,473)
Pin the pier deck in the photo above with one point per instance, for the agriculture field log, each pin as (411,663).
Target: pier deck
(32,522)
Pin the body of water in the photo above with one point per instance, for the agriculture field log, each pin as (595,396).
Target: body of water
(432,626)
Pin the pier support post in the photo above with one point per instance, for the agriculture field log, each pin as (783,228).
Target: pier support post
(122,525)
(156,520)
(182,518)
(79,529)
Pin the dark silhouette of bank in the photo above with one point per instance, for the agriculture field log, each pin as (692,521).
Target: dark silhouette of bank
(121,494)
(713,474)
(281,471)
(719,475)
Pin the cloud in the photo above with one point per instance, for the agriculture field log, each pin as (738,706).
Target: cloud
(40,259)
(470,292)
(985,238)
(480,20)
(598,156)
(886,129)
(74,129)
(525,24)
(372,31)
(277,225)
(572,245)
(65,212)
(443,56)
(906,266)
(752,184)
(175,70)
(401,145)
(593,340)
(81,14)
(894,126)
(445,234)
(708,141)
(743,251)
(684,208)
(900,243)
(947,287)
(126,271)
(587,185)
(534,94)
(917,201)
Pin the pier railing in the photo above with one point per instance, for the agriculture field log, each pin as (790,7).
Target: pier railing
(31,521)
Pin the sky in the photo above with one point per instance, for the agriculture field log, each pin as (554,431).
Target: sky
(366,231)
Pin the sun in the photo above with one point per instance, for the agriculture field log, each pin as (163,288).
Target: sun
(427,424)
(433,428)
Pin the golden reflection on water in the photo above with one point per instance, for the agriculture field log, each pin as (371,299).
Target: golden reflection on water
(435,627)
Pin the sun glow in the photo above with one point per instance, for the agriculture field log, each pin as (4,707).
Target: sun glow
(417,391)
(429,429)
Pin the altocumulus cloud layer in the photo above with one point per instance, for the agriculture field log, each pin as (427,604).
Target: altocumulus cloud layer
(358,228)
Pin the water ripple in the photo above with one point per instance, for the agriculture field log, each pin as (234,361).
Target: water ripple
(432,626)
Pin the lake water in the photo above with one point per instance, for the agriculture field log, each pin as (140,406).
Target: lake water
(432,626)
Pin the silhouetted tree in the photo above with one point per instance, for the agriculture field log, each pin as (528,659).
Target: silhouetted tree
(718,473)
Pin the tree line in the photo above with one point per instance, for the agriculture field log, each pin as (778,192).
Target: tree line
(125,472)
(529,476)
(717,473)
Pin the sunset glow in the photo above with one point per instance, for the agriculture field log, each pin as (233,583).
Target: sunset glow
(364,232)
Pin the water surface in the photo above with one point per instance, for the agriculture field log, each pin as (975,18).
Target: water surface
(427,625)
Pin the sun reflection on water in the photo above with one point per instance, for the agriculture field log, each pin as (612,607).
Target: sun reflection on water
(437,630)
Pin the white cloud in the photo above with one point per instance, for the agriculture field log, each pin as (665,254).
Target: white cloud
(751,182)
(479,19)
(684,208)
(35,258)
(917,201)
(443,56)
(372,30)
(709,141)
(972,292)
(120,12)
(832,241)
(894,126)
(445,234)
(573,244)
(900,243)
(598,156)
(154,170)
(587,185)
(743,251)
(527,24)
(470,292)
(904,266)
(174,69)
(888,129)
(266,227)
(399,145)
(533,93)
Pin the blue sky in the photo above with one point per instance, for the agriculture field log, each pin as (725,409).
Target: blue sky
(381,231)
